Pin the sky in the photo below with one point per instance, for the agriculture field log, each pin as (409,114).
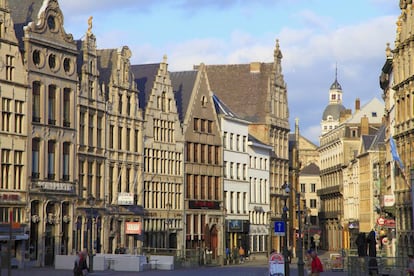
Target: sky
(317,38)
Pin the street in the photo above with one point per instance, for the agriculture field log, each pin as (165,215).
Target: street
(247,269)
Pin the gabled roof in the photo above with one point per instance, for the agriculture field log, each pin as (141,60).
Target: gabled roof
(366,142)
(144,77)
(222,108)
(244,91)
(183,85)
(374,110)
(311,169)
(25,11)
(106,62)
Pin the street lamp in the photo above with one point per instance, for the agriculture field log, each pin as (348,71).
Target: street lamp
(299,249)
(91,203)
(285,249)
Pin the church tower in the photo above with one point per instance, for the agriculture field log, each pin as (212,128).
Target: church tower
(331,114)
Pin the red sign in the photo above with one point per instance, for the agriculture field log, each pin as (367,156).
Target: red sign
(133,228)
(390,223)
(381,221)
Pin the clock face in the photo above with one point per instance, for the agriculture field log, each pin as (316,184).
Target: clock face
(51,22)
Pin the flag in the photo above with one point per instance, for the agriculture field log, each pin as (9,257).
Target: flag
(395,155)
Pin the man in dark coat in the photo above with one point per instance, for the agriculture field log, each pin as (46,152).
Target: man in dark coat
(361,243)
(372,253)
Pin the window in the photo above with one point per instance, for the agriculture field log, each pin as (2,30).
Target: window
(51,23)
(90,90)
(90,178)
(82,128)
(36,102)
(313,188)
(196,122)
(36,57)
(136,136)
(90,131)
(9,67)
(67,65)
(5,168)
(6,114)
(313,203)
(303,188)
(128,105)
(35,158)
(52,105)
(374,114)
(99,131)
(120,138)
(52,61)
(128,138)
(81,176)
(66,154)
(51,160)
(18,117)
(98,180)
(66,107)
(120,103)
(225,140)
(111,136)
(18,170)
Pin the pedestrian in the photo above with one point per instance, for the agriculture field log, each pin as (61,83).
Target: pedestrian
(410,266)
(316,264)
(235,255)
(80,267)
(241,254)
(228,255)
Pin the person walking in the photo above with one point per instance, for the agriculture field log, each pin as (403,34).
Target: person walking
(80,267)
(241,254)
(316,264)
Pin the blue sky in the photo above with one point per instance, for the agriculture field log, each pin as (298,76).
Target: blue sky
(315,36)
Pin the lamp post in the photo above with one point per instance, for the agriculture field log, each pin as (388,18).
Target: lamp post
(91,203)
(285,238)
(299,249)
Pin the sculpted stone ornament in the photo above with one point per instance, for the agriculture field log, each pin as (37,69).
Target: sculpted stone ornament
(90,24)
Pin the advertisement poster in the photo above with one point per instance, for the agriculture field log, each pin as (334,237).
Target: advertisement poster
(337,263)
(276,265)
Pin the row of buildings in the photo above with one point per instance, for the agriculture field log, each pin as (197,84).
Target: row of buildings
(97,153)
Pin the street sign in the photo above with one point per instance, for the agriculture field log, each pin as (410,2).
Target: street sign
(280,228)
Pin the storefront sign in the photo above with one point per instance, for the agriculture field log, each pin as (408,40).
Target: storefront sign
(55,186)
(125,199)
(133,228)
(389,200)
(9,197)
(203,204)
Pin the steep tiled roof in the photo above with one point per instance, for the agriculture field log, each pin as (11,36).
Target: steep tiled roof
(222,108)
(183,85)
(23,12)
(311,169)
(144,77)
(241,89)
(106,63)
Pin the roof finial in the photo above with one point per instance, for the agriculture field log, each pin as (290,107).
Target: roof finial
(336,71)
(90,24)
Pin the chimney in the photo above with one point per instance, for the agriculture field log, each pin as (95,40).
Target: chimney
(357,104)
(364,125)
(255,67)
